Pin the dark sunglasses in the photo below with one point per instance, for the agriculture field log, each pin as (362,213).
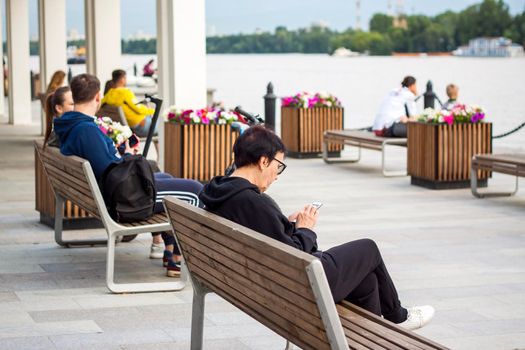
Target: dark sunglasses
(280,167)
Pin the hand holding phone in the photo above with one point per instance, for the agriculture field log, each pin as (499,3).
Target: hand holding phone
(133,140)
(317,205)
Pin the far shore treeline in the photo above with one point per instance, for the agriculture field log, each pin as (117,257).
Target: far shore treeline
(413,33)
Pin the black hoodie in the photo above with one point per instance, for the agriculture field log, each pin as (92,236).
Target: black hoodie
(240,201)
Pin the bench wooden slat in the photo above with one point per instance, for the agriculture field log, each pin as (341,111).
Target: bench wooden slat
(250,238)
(82,186)
(368,137)
(259,276)
(279,323)
(253,286)
(515,159)
(256,249)
(356,340)
(374,324)
(69,163)
(77,197)
(287,289)
(380,338)
(53,155)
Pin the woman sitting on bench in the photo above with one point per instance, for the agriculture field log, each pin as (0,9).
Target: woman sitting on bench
(355,270)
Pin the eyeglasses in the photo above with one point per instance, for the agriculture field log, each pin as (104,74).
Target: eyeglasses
(280,167)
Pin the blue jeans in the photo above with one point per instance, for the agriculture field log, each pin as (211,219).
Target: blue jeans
(142,130)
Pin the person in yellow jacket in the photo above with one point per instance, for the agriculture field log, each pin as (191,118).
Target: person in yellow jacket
(117,94)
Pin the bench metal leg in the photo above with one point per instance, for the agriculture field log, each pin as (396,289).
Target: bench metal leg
(328,160)
(289,346)
(176,285)
(390,173)
(197,315)
(476,193)
(59,216)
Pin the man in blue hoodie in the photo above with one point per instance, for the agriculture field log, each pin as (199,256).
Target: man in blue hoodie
(80,136)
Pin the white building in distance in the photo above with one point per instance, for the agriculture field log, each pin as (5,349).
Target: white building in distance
(490,47)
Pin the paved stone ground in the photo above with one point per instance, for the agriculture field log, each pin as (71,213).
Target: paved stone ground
(464,256)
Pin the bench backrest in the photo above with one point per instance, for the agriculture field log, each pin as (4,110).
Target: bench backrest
(116,113)
(280,286)
(72,178)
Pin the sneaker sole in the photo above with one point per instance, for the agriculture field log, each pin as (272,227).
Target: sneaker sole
(171,273)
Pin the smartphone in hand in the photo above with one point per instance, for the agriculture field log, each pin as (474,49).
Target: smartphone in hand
(317,205)
(133,140)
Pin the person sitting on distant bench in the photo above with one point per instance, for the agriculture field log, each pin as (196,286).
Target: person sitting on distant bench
(116,93)
(452,93)
(148,70)
(398,107)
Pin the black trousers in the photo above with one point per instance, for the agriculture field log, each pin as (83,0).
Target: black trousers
(397,130)
(356,272)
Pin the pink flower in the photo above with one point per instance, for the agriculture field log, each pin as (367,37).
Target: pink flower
(449,119)
(103,129)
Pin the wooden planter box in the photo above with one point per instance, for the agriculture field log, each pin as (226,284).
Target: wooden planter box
(74,217)
(198,152)
(440,155)
(302,130)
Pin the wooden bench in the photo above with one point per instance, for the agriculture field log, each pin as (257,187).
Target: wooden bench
(72,178)
(510,164)
(116,113)
(281,287)
(361,139)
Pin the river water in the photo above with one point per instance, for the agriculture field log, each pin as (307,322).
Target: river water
(360,83)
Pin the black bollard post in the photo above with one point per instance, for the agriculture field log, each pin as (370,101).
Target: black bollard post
(429,96)
(134,69)
(32,82)
(269,107)
(69,75)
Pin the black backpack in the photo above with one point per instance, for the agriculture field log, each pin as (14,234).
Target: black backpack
(128,189)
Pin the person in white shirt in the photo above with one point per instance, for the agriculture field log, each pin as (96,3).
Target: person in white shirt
(398,107)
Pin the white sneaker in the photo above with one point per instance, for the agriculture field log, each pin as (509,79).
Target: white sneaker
(418,316)
(156,251)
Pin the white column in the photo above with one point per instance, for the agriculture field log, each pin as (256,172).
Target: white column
(53,41)
(2,104)
(103,37)
(181,52)
(17,12)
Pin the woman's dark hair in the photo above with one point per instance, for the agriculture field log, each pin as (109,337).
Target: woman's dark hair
(254,143)
(52,100)
(116,75)
(409,80)
(84,87)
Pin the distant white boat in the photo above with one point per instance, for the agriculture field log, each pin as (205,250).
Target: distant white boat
(490,47)
(344,52)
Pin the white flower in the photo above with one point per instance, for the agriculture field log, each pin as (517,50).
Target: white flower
(195,118)
(120,138)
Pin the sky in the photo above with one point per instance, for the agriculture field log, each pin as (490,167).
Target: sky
(246,16)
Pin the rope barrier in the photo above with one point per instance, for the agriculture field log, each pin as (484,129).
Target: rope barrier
(509,132)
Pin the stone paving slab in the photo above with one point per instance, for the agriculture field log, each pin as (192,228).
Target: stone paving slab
(463,255)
